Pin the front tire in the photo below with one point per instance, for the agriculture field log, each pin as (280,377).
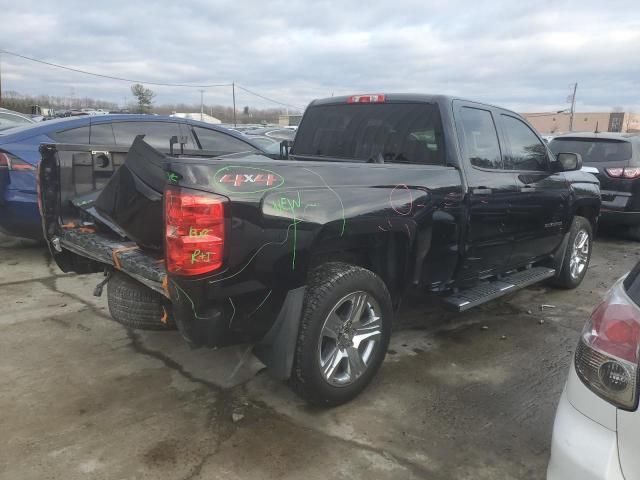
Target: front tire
(344,334)
(577,255)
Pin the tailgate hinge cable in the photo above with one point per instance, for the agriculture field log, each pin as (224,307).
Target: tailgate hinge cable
(97,292)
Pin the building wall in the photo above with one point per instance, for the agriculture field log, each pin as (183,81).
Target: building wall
(632,122)
(289,120)
(556,123)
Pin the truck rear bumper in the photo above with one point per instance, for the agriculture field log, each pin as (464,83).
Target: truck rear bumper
(613,217)
(618,207)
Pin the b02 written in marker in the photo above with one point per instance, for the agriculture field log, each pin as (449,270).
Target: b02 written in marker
(198,232)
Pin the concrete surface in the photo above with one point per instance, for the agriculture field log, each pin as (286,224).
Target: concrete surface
(467,396)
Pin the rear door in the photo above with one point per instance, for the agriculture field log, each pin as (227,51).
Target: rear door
(540,210)
(491,192)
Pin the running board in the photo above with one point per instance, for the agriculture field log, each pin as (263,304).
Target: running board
(466,299)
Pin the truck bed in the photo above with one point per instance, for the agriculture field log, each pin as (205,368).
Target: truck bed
(145,266)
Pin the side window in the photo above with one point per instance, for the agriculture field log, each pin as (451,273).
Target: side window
(480,138)
(73,135)
(102,134)
(157,134)
(527,152)
(221,142)
(8,120)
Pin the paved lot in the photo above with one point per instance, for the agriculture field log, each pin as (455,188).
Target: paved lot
(467,396)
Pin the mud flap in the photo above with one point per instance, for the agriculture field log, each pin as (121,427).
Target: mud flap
(276,350)
(558,256)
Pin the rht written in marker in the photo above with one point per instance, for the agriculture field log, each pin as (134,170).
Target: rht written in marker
(198,256)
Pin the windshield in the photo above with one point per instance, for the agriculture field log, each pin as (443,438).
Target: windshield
(593,149)
(391,132)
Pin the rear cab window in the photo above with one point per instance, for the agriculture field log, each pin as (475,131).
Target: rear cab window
(593,150)
(399,132)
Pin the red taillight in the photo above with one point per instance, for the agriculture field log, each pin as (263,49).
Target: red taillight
(615,330)
(627,172)
(607,354)
(11,162)
(631,172)
(377,98)
(194,231)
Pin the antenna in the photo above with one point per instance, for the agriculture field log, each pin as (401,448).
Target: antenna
(596,131)
(573,105)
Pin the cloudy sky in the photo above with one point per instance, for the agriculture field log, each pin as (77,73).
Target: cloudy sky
(510,53)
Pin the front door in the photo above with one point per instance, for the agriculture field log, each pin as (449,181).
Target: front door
(491,191)
(539,212)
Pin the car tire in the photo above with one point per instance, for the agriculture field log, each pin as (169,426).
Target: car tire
(344,334)
(576,256)
(136,306)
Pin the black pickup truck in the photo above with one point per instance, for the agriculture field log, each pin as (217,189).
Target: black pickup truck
(309,256)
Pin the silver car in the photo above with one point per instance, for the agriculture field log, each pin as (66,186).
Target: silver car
(596,434)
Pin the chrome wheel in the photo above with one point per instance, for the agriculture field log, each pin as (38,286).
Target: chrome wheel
(579,254)
(349,336)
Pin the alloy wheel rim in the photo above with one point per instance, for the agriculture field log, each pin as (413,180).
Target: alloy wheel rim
(579,254)
(349,337)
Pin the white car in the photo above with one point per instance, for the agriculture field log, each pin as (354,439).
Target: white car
(596,434)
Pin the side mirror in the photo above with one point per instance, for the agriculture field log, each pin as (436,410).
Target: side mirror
(568,162)
(285,146)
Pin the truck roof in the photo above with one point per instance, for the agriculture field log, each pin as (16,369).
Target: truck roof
(406,97)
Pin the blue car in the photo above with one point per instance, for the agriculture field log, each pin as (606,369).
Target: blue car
(19,154)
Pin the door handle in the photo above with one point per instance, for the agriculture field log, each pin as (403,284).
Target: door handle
(482,191)
(528,188)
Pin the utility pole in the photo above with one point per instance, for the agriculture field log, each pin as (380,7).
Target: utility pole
(201,105)
(233,90)
(573,106)
(0,78)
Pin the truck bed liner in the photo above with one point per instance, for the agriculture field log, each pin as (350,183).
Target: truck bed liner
(146,267)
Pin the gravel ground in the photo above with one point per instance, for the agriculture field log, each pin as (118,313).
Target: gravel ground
(467,396)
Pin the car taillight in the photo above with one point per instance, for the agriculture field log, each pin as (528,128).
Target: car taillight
(11,162)
(627,172)
(194,221)
(377,98)
(607,355)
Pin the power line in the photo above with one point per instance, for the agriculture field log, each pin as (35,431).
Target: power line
(112,77)
(550,114)
(268,99)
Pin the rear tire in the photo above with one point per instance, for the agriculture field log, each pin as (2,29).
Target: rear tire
(576,256)
(344,334)
(135,305)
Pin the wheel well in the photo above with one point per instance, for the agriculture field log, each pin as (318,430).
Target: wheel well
(383,254)
(590,212)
